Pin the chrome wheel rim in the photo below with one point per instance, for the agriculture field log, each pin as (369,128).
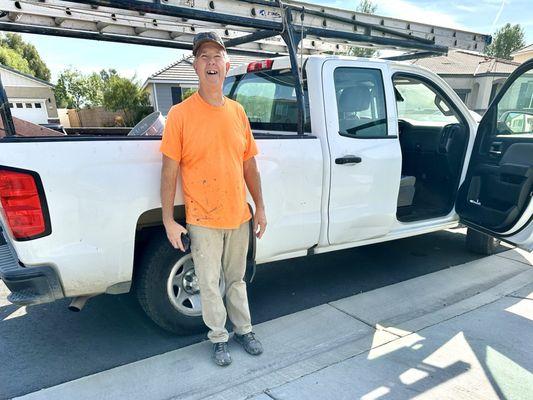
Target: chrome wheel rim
(183,289)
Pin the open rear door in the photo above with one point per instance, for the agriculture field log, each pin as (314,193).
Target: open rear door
(497,194)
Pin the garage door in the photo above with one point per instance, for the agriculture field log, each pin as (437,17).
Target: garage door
(30,110)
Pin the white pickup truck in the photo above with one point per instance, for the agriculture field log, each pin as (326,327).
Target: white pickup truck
(388,151)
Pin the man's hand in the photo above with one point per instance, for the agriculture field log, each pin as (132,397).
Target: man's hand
(260,222)
(174,231)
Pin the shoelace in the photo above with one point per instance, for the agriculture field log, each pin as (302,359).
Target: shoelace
(250,336)
(220,347)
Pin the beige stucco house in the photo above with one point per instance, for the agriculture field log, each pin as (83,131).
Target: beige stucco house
(30,98)
(523,54)
(475,77)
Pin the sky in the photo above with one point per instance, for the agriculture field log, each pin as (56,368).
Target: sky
(481,16)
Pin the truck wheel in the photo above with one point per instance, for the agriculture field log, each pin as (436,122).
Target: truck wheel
(480,243)
(167,288)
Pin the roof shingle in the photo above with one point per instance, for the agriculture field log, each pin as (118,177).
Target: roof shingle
(182,70)
(461,62)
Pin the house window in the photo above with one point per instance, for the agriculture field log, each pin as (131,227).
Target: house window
(29,105)
(38,105)
(19,105)
(176,95)
(10,105)
(463,94)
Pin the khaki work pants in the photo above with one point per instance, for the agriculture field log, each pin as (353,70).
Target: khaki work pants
(213,251)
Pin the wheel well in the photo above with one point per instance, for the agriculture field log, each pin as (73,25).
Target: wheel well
(150,226)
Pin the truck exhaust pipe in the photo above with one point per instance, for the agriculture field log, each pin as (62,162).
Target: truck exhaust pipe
(79,302)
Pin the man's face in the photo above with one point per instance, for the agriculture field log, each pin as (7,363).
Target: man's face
(211,65)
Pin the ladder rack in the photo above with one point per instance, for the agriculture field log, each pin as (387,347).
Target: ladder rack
(248,26)
(259,27)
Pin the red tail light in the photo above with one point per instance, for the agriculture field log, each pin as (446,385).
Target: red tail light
(259,65)
(24,204)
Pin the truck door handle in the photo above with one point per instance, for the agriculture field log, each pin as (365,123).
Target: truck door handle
(348,160)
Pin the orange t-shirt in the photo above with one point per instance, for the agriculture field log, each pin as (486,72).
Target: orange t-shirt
(211,143)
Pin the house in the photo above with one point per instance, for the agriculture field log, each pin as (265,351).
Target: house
(30,98)
(523,54)
(170,85)
(475,77)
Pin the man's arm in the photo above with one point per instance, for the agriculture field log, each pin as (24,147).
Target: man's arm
(253,182)
(169,176)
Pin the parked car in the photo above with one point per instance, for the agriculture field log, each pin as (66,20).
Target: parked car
(388,151)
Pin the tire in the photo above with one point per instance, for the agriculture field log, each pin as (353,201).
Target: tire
(480,243)
(165,286)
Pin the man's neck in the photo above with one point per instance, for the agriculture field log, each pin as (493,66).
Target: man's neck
(212,97)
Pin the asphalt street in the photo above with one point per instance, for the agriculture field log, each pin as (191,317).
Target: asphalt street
(45,345)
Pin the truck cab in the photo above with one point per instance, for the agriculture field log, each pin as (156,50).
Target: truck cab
(395,143)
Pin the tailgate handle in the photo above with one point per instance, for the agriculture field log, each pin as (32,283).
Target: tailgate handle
(348,160)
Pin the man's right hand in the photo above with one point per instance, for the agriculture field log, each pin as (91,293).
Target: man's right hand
(174,231)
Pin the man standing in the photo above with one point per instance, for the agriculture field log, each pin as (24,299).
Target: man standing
(208,139)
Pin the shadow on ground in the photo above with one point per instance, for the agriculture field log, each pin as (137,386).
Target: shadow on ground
(46,345)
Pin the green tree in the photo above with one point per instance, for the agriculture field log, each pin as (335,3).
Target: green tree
(36,66)
(367,7)
(11,58)
(75,90)
(507,39)
(126,94)
(188,93)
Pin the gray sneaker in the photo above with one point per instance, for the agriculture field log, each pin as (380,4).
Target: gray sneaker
(248,341)
(221,354)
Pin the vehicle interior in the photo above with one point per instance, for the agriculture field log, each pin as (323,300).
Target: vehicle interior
(433,140)
(499,183)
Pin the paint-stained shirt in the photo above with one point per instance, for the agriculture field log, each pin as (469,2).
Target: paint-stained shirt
(211,143)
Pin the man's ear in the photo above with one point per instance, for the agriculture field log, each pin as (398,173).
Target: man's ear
(227,66)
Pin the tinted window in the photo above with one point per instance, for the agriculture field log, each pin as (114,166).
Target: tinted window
(419,104)
(360,102)
(269,99)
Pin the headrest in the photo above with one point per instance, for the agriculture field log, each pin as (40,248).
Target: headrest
(354,98)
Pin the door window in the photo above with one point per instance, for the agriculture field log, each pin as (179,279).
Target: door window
(360,102)
(515,108)
(419,104)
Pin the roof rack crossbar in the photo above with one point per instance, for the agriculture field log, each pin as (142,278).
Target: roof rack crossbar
(110,37)
(413,56)
(384,41)
(250,38)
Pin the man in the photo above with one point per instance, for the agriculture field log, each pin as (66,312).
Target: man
(208,139)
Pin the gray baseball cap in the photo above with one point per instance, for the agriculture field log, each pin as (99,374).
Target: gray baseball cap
(203,37)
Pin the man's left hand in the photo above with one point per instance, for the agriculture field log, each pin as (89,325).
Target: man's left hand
(260,222)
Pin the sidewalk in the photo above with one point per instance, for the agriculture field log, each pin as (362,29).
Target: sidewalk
(461,333)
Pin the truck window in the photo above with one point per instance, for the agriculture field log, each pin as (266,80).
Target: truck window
(419,104)
(269,99)
(360,102)
(515,108)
